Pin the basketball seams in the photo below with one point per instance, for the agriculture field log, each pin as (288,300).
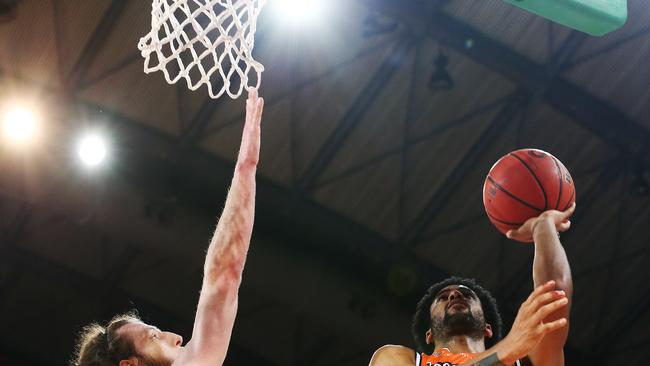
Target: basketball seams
(519,199)
(570,200)
(517,224)
(539,184)
(561,177)
(513,196)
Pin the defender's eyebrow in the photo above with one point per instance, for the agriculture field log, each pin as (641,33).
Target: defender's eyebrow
(148,330)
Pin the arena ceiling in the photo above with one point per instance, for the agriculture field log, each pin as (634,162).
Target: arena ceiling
(369,185)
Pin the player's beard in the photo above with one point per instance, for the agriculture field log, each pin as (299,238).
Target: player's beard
(458,324)
(151,361)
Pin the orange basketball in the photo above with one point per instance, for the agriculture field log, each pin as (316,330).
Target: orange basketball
(523,184)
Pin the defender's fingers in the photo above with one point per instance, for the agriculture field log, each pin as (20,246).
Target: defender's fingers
(539,299)
(549,309)
(259,110)
(548,297)
(252,106)
(554,325)
(548,286)
(260,105)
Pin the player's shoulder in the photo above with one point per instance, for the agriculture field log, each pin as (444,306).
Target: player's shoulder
(392,354)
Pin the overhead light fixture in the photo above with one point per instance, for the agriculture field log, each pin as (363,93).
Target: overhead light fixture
(19,124)
(441,80)
(300,12)
(92,149)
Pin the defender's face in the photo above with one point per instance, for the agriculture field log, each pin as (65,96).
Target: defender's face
(153,347)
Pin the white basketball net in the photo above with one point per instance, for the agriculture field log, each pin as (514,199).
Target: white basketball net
(204,41)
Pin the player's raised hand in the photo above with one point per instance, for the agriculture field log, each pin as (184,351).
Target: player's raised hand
(559,218)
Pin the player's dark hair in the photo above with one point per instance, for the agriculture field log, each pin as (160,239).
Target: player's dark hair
(422,318)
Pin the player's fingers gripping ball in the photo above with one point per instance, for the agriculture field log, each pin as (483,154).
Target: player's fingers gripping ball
(522,185)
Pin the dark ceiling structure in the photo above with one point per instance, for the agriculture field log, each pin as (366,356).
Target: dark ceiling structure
(369,185)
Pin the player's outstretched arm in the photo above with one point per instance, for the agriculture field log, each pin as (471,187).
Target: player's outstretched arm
(550,264)
(528,329)
(226,255)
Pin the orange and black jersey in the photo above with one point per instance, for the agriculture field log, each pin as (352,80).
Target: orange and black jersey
(444,357)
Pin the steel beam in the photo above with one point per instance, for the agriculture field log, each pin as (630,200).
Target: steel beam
(299,86)
(607,49)
(354,115)
(83,84)
(203,116)
(453,181)
(291,219)
(96,41)
(596,115)
(412,142)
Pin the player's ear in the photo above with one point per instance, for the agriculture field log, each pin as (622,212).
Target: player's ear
(488,333)
(429,337)
(131,361)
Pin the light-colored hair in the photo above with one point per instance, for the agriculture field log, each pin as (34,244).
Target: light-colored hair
(102,345)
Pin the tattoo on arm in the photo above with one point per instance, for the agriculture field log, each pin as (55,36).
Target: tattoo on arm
(491,360)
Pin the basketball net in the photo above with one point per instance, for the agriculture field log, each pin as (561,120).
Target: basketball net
(205,42)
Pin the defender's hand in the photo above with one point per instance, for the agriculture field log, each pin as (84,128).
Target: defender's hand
(254,107)
(529,328)
(559,218)
(249,150)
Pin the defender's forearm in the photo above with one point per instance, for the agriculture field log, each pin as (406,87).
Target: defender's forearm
(550,262)
(227,252)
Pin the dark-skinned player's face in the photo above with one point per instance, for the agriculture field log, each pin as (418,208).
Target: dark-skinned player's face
(456,311)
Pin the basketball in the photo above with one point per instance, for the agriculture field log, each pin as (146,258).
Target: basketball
(523,184)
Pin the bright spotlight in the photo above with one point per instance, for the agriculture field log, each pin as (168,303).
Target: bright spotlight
(92,149)
(19,124)
(300,11)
